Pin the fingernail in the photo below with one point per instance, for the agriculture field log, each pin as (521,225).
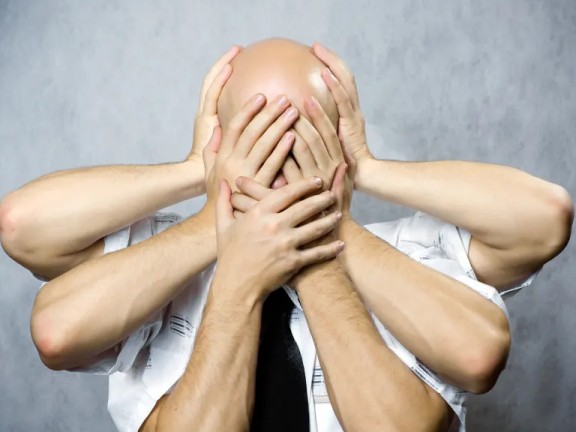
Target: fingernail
(225,69)
(282,101)
(317,181)
(311,103)
(291,113)
(339,215)
(328,73)
(288,137)
(259,99)
(340,246)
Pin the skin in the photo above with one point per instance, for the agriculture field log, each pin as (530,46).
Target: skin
(428,410)
(52,245)
(420,306)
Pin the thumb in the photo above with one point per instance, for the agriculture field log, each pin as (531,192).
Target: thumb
(351,162)
(338,182)
(211,149)
(224,210)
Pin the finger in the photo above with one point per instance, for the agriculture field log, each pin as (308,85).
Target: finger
(242,203)
(274,163)
(291,170)
(213,94)
(339,69)
(211,150)
(341,97)
(214,71)
(224,211)
(316,229)
(252,188)
(314,140)
(238,214)
(279,181)
(269,139)
(303,155)
(320,253)
(305,209)
(325,128)
(241,120)
(338,184)
(261,123)
(279,199)
(352,165)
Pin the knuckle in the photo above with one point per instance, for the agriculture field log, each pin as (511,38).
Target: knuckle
(236,124)
(256,213)
(294,261)
(271,226)
(287,243)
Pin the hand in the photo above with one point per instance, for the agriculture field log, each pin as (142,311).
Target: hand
(317,150)
(207,116)
(255,144)
(250,192)
(342,85)
(260,251)
(318,153)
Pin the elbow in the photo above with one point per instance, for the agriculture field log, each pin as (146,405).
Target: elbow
(558,222)
(10,218)
(482,365)
(51,344)
(15,231)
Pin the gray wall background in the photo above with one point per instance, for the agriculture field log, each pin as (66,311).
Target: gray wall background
(108,81)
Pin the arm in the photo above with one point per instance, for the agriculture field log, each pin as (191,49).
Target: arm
(58,221)
(256,253)
(452,329)
(205,398)
(423,307)
(363,387)
(518,222)
(369,386)
(76,316)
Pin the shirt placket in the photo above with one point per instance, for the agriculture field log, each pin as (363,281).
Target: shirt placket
(303,338)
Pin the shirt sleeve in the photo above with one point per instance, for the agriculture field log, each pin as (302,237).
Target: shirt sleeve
(125,354)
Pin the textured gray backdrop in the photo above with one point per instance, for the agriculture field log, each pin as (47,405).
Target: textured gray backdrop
(109,81)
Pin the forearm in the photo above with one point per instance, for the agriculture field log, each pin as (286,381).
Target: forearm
(67,211)
(97,304)
(452,329)
(501,206)
(369,386)
(216,392)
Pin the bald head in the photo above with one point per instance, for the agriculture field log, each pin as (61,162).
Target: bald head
(274,67)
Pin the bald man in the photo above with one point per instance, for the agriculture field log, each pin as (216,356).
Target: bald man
(387,336)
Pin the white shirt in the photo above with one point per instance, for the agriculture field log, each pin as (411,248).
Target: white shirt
(153,358)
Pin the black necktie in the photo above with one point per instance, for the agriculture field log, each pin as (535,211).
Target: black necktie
(281,400)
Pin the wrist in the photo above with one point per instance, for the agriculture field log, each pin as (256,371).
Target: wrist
(365,168)
(192,171)
(314,275)
(207,214)
(346,222)
(227,294)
